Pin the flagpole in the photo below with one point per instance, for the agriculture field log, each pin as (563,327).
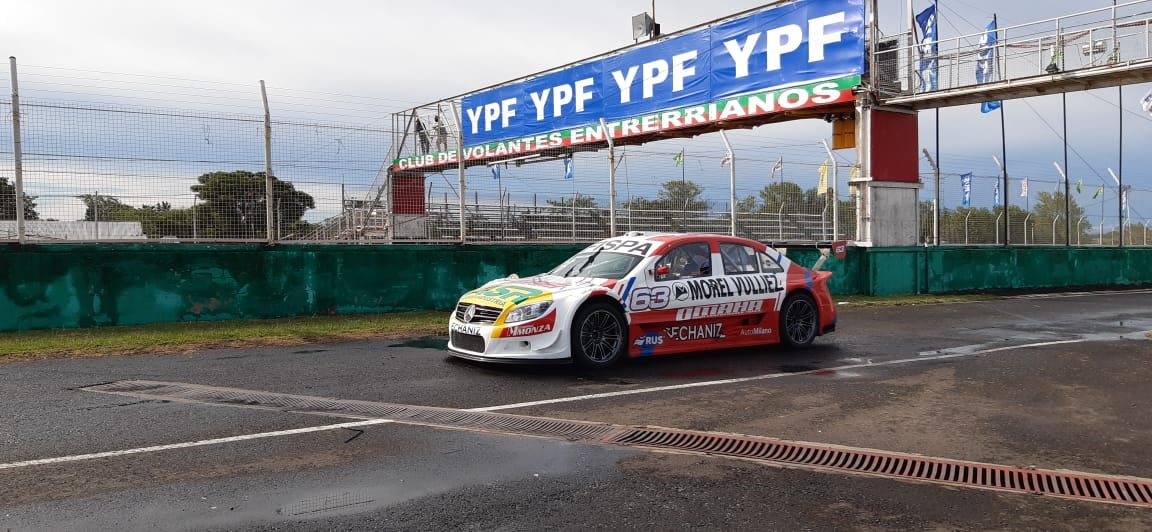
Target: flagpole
(1120,167)
(936,169)
(1067,185)
(1003,149)
(911,44)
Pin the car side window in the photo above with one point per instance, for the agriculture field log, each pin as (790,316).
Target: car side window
(738,259)
(687,261)
(768,264)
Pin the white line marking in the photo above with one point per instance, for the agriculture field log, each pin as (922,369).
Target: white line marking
(76,458)
(79,457)
(1057,295)
(761,377)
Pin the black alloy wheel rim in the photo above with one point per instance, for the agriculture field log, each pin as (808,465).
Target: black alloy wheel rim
(601,336)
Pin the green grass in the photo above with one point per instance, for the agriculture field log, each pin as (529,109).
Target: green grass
(190,336)
(896,301)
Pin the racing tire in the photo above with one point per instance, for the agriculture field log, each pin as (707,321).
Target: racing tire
(599,335)
(799,320)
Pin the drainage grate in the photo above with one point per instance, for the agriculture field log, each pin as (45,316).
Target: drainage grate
(1099,488)
(321,504)
(1064,484)
(418,415)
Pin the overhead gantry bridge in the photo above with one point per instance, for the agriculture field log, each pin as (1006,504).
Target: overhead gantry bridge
(1093,49)
(1099,48)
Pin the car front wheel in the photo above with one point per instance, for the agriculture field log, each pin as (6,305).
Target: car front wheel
(599,335)
(798,320)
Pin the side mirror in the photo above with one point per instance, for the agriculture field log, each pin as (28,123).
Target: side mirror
(662,272)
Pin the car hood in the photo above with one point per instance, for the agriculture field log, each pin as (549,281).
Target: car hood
(509,292)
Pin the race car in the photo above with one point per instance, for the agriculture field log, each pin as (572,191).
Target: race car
(645,294)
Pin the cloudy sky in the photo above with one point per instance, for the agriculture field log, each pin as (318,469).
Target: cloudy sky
(367,59)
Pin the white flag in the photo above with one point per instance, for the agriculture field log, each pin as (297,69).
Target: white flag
(1024,188)
(1146,102)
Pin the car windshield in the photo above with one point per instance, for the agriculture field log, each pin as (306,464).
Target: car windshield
(596,264)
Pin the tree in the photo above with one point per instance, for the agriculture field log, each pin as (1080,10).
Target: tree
(579,202)
(234,205)
(1049,211)
(746,219)
(579,209)
(804,214)
(780,197)
(8,202)
(682,196)
(677,204)
(107,209)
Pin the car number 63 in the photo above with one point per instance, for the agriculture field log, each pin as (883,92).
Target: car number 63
(650,298)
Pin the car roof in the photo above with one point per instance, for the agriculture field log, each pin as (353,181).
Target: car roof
(662,241)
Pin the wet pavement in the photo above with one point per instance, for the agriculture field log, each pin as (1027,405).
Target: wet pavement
(1047,382)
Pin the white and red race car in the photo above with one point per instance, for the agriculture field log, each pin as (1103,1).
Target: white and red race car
(645,294)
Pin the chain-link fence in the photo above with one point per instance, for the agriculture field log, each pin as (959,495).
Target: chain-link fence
(100,166)
(97,166)
(107,157)
(565,197)
(1040,211)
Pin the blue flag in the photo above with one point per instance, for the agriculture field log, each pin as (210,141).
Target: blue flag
(966,187)
(569,170)
(928,48)
(986,63)
(996,194)
(496,172)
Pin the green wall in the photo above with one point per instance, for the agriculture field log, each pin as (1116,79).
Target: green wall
(99,285)
(894,271)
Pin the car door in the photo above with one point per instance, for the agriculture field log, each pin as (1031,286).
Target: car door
(758,284)
(665,298)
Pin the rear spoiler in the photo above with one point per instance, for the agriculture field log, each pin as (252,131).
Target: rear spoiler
(839,248)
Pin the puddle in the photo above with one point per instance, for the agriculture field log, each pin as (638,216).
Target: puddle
(690,373)
(427,342)
(599,379)
(320,504)
(796,368)
(308,351)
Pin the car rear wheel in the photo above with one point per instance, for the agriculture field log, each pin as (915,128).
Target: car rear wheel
(798,320)
(599,335)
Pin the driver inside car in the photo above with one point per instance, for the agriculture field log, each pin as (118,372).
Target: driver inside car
(700,266)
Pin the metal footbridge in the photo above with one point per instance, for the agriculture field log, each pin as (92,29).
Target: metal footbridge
(1094,49)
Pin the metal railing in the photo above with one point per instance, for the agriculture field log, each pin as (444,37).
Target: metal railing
(1115,35)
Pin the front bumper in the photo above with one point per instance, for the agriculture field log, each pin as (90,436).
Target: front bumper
(482,343)
(505,360)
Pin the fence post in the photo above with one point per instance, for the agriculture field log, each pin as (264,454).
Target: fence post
(835,193)
(460,168)
(17,154)
(731,180)
(612,177)
(195,235)
(267,166)
(936,197)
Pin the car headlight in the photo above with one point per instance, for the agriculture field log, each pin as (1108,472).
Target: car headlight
(528,312)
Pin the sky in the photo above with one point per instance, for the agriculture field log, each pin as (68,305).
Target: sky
(362,60)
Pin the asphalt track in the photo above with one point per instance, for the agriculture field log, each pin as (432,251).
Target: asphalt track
(1054,382)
